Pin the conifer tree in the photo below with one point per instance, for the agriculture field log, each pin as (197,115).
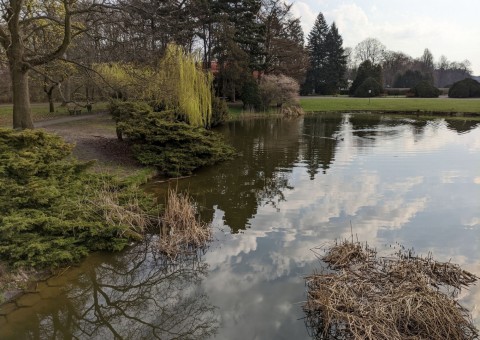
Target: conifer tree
(336,64)
(240,43)
(318,56)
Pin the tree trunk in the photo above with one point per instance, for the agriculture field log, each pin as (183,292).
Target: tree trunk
(66,92)
(22,115)
(49,92)
(51,104)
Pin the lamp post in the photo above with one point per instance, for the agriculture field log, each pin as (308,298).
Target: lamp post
(369,96)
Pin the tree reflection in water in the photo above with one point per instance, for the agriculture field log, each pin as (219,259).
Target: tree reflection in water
(136,295)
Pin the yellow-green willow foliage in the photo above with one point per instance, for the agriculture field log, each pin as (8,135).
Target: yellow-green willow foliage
(177,82)
(191,87)
(125,78)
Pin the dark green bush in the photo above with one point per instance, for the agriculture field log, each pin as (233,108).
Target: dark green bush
(370,84)
(219,112)
(366,70)
(410,79)
(466,88)
(425,90)
(250,95)
(175,148)
(52,212)
(123,111)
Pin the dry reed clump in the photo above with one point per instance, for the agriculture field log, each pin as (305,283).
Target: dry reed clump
(399,297)
(124,212)
(182,231)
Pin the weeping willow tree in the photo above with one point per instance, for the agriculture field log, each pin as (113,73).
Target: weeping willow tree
(124,80)
(177,82)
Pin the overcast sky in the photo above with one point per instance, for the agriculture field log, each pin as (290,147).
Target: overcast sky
(448,27)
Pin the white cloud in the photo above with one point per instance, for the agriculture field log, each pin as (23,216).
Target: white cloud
(306,13)
(473,222)
(353,23)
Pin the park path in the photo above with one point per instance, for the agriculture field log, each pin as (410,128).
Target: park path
(94,138)
(67,119)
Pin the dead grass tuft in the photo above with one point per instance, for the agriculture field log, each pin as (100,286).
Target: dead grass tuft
(182,231)
(398,297)
(122,210)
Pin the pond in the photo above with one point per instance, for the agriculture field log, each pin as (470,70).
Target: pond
(297,185)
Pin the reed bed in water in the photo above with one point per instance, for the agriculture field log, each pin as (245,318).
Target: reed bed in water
(182,231)
(365,296)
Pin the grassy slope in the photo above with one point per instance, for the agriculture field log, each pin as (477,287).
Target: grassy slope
(310,104)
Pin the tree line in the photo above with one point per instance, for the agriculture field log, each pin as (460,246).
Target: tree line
(51,48)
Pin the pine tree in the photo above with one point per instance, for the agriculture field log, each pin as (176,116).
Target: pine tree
(336,65)
(318,56)
(239,49)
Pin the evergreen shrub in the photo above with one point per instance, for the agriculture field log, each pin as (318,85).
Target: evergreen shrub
(219,112)
(123,111)
(366,70)
(52,212)
(369,84)
(466,88)
(425,89)
(174,147)
(250,96)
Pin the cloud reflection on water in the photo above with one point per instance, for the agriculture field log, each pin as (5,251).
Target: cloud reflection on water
(390,183)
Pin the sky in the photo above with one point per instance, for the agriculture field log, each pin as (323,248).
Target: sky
(445,27)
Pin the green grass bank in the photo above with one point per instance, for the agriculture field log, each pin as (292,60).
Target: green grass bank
(390,104)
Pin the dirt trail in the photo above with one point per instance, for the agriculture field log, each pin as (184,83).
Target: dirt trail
(95,138)
(67,119)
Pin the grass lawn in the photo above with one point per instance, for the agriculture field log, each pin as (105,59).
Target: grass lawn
(40,112)
(313,104)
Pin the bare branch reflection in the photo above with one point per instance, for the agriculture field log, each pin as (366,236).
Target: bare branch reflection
(136,295)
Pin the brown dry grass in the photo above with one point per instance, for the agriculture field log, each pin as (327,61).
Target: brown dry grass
(182,231)
(125,212)
(399,297)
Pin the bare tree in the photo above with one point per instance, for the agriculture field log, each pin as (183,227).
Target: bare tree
(427,60)
(284,51)
(394,64)
(370,49)
(23,25)
(448,72)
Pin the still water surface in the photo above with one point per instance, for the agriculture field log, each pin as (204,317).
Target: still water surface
(297,184)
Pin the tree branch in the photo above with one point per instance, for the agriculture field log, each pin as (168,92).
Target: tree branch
(41,17)
(43,74)
(4,40)
(88,69)
(67,38)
